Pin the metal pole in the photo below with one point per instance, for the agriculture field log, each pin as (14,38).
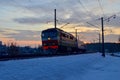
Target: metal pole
(55,17)
(103,49)
(99,38)
(76,33)
(99,42)
(76,37)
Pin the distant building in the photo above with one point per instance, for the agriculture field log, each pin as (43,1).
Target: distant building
(3,49)
(109,47)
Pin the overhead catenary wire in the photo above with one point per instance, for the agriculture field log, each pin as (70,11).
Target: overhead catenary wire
(103,13)
(102,28)
(92,25)
(100,4)
(84,9)
(82,5)
(64,25)
(87,12)
(89,15)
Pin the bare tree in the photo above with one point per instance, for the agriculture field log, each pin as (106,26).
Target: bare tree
(13,50)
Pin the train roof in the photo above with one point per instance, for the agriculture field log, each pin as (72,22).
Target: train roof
(52,29)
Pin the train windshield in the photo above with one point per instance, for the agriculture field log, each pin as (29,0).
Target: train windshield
(46,35)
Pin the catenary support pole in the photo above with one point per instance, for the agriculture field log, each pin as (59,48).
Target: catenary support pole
(103,49)
(55,18)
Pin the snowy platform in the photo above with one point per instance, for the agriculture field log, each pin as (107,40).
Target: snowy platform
(74,67)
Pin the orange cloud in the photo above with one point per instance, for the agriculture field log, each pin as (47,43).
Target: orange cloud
(7,41)
(29,43)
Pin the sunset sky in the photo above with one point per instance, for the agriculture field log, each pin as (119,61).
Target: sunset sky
(22,21)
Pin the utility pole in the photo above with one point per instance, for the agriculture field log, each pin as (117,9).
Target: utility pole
(99,42)
(102,26)
(55,18)
(76,33)
(99,38)
(103,49)
(76,37)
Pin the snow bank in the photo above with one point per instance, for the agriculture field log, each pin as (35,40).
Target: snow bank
(74,67)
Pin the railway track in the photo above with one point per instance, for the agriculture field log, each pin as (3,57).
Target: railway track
(18,57)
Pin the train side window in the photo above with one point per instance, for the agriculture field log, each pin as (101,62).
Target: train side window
(63,35)
(44,44)
(67,36)
(71,37)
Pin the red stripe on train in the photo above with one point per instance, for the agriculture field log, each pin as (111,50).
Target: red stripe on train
(50,47)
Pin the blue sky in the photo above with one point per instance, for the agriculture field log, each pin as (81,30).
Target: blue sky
(23,20)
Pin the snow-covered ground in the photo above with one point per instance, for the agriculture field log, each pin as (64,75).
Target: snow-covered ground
(74,67)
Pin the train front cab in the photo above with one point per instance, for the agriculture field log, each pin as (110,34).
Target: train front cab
(50,41)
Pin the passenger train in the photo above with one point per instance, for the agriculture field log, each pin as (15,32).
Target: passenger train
(57,41)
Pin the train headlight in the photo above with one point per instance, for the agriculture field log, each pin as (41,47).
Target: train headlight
(49,38)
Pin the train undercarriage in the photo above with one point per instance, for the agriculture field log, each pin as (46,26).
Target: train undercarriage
(62,50)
